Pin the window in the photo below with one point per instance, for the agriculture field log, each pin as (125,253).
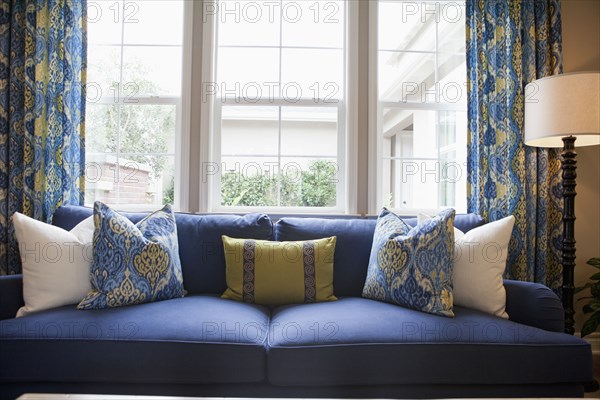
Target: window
(274,121)
(278,104)
(420,105)
(133,101)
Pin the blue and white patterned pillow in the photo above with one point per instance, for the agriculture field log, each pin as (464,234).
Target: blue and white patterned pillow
(133,264)
(413,268)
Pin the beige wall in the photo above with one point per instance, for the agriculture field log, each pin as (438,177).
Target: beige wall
(581,52)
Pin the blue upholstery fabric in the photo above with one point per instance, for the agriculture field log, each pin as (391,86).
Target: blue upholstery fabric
(200,245)
(197,339)
(133,264)
(413,269)
(207,346)
(353,246)
(379,343)
(534,304)
(466,222)
(265,390)
(11,295)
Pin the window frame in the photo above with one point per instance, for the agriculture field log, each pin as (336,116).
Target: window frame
(182,115)
(376,107)
(359,184)
(210,137)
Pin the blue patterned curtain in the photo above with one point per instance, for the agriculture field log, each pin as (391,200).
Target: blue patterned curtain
(42,106)
(509,44)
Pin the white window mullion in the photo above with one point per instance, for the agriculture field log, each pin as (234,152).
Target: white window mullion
(350,112)
(375,149)
(207,153)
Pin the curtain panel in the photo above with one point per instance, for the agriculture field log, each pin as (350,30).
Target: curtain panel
(42,108)
(509,44)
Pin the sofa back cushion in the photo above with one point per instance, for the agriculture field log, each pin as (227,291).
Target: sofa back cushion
(200,245)
(353,246)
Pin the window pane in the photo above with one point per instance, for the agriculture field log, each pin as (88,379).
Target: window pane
(415,132)
(313,23)
(130,179)
(452,78)
(312,74)
(131,144)
(152,70)
(101,178)
(249,181)
(249,131)
(424,158)
(104,22)
(101,128)
(248,23)
(411,184)
(256,61)
(421,56)
(308,182)
(407,77)
(153,22)
(451,28)
(407,25)
(243,72)
(103,72)
(302,128)
(147,128)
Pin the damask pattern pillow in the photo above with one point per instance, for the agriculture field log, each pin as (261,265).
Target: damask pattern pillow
(133,264)
(278,273)
(414,269)
(389,225)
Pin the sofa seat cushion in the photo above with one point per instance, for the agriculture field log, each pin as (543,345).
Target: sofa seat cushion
(357,341)
(196,339)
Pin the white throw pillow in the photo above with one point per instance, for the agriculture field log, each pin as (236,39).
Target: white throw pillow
(479,264)
(55,262)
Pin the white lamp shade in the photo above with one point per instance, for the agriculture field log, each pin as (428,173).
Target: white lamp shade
(563,105)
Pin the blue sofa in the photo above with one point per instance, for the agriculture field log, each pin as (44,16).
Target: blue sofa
(202,345)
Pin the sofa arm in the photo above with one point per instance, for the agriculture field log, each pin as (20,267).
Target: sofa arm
(11,295)
(535,305)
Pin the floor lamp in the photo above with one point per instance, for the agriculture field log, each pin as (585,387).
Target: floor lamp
(560,110)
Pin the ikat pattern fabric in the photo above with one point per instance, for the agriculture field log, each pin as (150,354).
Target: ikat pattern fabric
(133,264)
(42,107)
(413,269)
(509,44)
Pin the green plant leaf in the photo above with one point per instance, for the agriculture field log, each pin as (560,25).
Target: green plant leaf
(594,262)
(586,286)
(591,324)
(585,298)
(595,277)
(593,306)
(595,290)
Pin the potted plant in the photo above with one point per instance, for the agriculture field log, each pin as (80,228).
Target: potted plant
(593,305)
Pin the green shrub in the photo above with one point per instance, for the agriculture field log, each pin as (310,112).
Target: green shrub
(314,188)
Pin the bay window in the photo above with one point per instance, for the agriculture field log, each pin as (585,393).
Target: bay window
(245,105)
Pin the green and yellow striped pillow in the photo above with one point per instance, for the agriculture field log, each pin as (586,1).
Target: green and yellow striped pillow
(277,273)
